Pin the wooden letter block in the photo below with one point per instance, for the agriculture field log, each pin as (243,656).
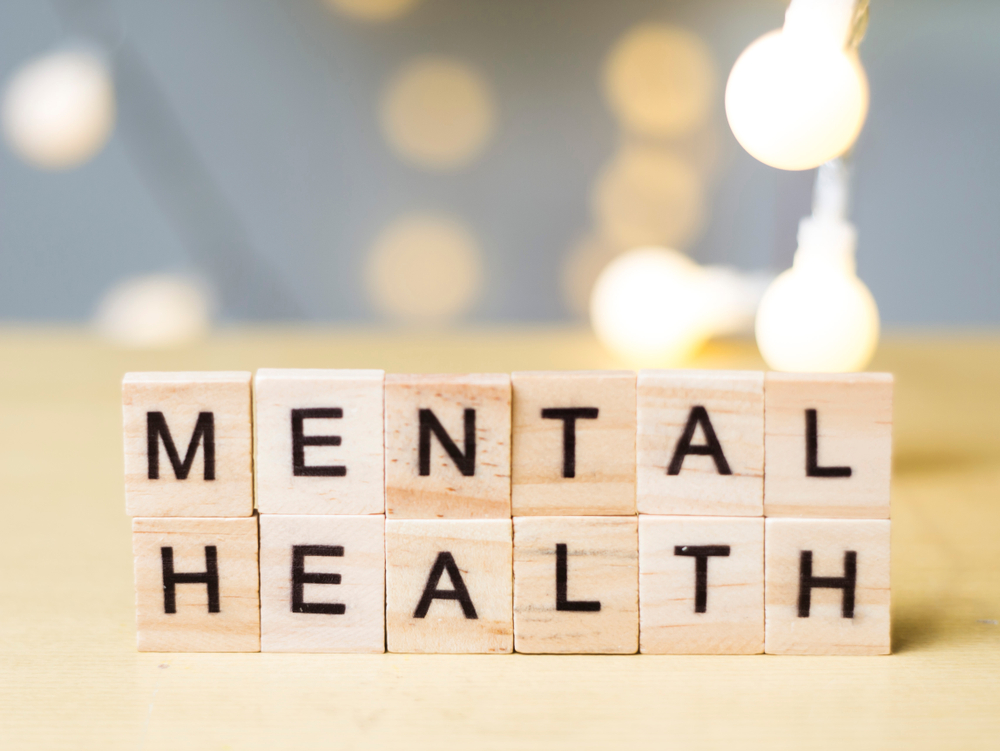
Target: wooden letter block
(319,438)
(701,585)
(448,585)
(573,447)
(187,444)
(827,587)
(447,446)
(700,442)
(196,584)
(828,440)
(322,583)
(576,584)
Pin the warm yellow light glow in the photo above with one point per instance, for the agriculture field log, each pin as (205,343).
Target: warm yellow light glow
(373,10)
(159,310)
(438,113)
(659,80)
(795,103)
(424,269)
(59,110)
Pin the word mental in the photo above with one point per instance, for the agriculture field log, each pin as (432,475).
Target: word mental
(664,512)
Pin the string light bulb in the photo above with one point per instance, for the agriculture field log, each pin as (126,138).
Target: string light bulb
(797,97)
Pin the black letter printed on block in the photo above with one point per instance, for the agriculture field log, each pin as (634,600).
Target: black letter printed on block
(210,578)
(812,452)
(569,416)
(204,432)
(808,582)
(429,424)
(300,441)
(445,562)
(701,554)
(562,587)
(301,577)
(711,447)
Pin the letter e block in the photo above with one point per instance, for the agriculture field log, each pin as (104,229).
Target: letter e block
(447,446)
(196,584)
(187,444)
(826,587)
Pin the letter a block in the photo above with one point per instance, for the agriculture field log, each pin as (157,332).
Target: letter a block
(319,447)
(573,444)
(447,446)
(701,585)
(322,583)
(196,584)
(187,444)
(827,587)
(576,584)
(829,445)
(448,586)
(700,442)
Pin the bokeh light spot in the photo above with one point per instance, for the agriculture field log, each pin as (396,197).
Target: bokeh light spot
(154,311)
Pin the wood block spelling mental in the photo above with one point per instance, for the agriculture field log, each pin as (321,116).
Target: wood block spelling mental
(319,441)
(573,443)
(196,584)
(447,446)
(701,585)
(448,585)
(828,440)
(827,588)
(322,583)
(576,584)
(700,442)
(187,444)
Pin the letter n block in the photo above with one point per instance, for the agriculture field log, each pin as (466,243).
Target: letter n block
(700,442)
(447,446)
(196,584)
(576,584)
(829,445)
(187,444)
(448,585)
(826,589)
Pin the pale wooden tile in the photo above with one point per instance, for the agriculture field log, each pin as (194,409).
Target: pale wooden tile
(825,620)
(700,442)
(468,413)
(299,611)
(220,613)
(448,585)
(212,407)
(573,446)
(576,584)
(319,441)
(845,472)
(717,611)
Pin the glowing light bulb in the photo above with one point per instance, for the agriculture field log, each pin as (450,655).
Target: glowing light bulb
(798,97)
(59,110)
(818,317)
(155,311)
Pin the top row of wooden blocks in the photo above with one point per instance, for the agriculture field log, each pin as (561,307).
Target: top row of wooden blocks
(601,443)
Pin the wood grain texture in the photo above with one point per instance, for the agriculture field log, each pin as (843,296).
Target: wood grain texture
(732,617)
(481,552)
(446,493)
(192,628)
(601,557)
(361,589)
(358,394)
(853,429)
(733,403)
(826,630)
(181,397)
(603,449)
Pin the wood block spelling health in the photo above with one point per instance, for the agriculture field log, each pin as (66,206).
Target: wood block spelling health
(447,446)
(701,585)
(573,443)
(322,583)
(828,441)
(576,584)
(448,585)
(827,587)
(319,441)
(196,584)
(700,442)
(187,444)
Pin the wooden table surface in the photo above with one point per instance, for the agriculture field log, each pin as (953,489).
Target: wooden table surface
(70,676)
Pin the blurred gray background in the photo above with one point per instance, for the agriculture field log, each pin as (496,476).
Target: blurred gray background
(248,150)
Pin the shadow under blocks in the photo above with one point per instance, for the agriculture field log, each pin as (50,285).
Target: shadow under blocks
(604,512)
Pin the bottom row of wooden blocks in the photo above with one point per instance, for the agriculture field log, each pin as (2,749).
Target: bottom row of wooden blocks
(611,585)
